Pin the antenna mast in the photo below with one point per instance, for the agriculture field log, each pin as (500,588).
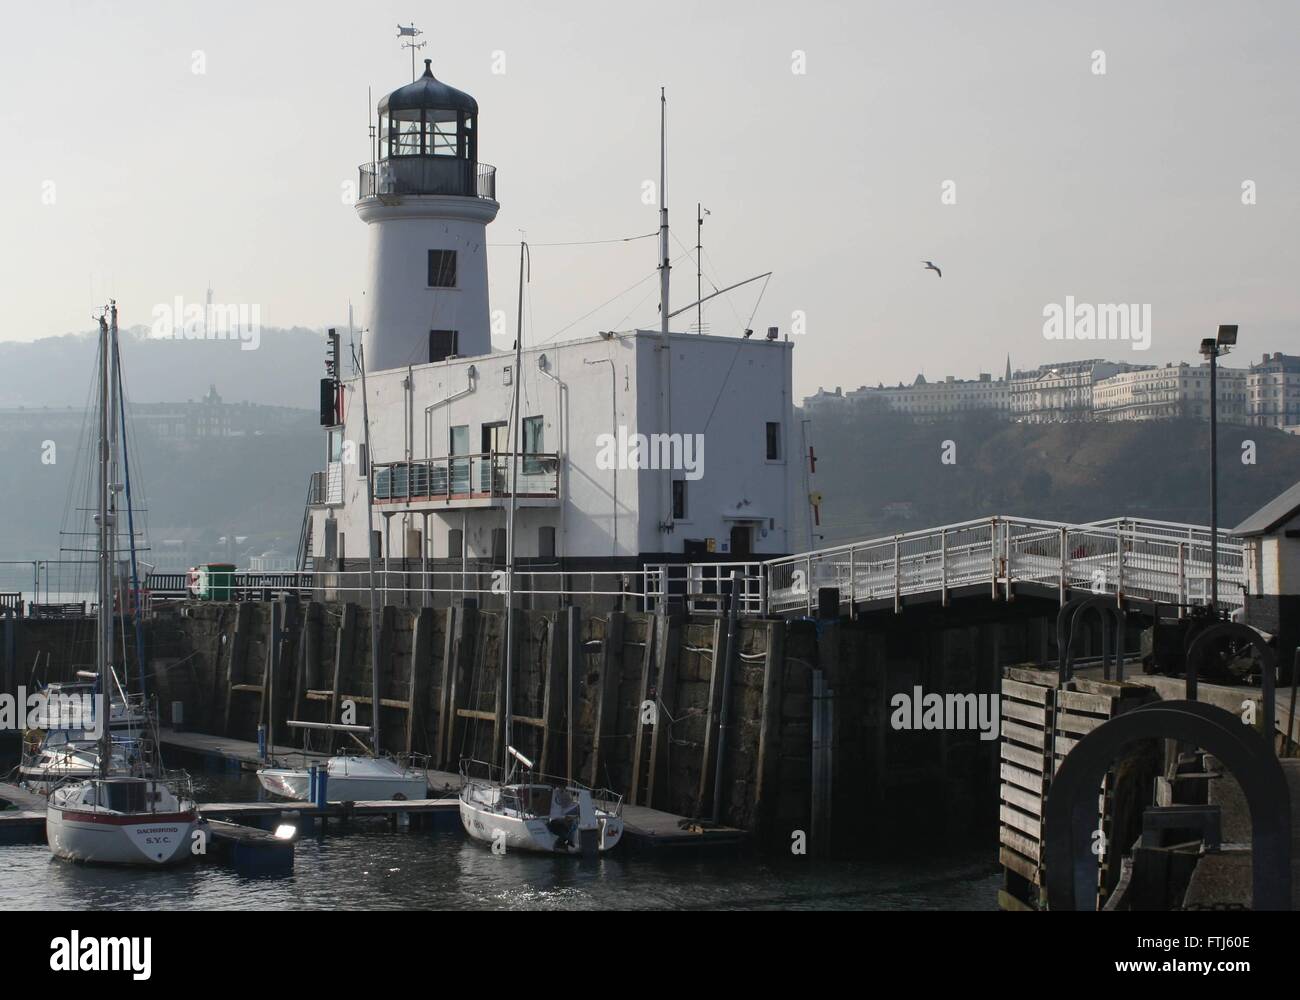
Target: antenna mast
(664,266)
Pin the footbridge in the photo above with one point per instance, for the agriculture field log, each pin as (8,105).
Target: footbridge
(1135,560)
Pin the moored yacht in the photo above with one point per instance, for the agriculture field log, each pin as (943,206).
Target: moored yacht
(349,778)
(121,820)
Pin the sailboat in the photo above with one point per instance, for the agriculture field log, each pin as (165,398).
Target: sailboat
(531,812)
(116,817)
(352,777)
(60,747)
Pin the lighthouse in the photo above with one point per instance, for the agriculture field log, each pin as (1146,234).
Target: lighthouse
(427,201)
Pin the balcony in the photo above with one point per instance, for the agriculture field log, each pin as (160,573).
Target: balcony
(468,481)
(415,175)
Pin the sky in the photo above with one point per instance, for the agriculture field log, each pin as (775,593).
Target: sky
(1139,152)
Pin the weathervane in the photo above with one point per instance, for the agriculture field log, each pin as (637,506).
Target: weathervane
(411,32)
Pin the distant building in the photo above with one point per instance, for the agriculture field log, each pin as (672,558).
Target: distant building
(1273,390)
(1266,395)
(924,400)
(1060,392)
(1173,392)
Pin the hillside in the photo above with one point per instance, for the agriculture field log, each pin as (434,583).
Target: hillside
(882,473)
(284,370)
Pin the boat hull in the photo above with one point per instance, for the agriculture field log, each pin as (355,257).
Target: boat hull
(349,780)
(155,840)
(503,830)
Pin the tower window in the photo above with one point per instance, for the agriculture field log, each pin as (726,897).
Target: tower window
(773,441)
(679,499)
(442,344)
(442,268)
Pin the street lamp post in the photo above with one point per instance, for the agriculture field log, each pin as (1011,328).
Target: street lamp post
(1211,349)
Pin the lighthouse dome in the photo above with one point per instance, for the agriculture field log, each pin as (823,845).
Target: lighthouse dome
(429,94)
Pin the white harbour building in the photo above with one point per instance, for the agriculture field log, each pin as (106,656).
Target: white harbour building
(633,448)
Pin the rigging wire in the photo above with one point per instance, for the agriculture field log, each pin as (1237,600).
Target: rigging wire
(582,243)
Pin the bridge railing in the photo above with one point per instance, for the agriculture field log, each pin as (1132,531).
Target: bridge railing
(1148,560)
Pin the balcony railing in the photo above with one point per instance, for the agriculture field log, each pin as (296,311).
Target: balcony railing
(466,477)
(327,486)
(413,175)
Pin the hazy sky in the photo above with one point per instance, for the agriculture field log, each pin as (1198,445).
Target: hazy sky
(1117,187)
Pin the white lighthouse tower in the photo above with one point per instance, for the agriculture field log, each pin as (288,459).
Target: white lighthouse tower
(427,201)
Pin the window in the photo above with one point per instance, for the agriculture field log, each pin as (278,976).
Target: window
(442,268)
(773,441)
(546,542)
(679,499)
(532,442)
(458,444)
(443,344)
(499,546)
(455,543)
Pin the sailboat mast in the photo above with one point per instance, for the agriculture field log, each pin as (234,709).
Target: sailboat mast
(516,431)
(370,550)
(665,351)
(104,643)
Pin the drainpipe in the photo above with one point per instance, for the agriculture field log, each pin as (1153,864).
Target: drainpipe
(561,404)
(613,427)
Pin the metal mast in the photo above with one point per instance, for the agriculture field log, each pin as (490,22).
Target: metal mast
(370,563)
(514,432)
(666,409)
(664,266)
(104,636)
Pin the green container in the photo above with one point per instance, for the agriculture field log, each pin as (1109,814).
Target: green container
(218,582)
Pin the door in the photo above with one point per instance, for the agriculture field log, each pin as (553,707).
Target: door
(742,542)
(496,468)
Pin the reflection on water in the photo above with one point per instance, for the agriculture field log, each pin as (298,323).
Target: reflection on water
(372,867)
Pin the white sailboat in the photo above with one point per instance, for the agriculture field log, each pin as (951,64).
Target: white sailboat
(62,746)
(536,813)
(352,777)
(116,818)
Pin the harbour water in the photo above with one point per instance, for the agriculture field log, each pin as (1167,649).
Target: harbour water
(372,867)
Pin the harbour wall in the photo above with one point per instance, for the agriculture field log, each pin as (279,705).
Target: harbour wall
(799,711)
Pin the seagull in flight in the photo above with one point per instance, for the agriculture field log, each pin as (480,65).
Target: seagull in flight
(932,266)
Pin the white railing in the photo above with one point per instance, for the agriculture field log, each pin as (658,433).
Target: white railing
(1130,558)
(1142,560)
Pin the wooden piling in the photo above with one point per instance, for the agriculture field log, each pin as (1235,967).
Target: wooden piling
(647,667)
(553,697)
(444,707)
(668,650)
(345,639)
(766,776)
(417,685)
(572,673)
(611,668)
